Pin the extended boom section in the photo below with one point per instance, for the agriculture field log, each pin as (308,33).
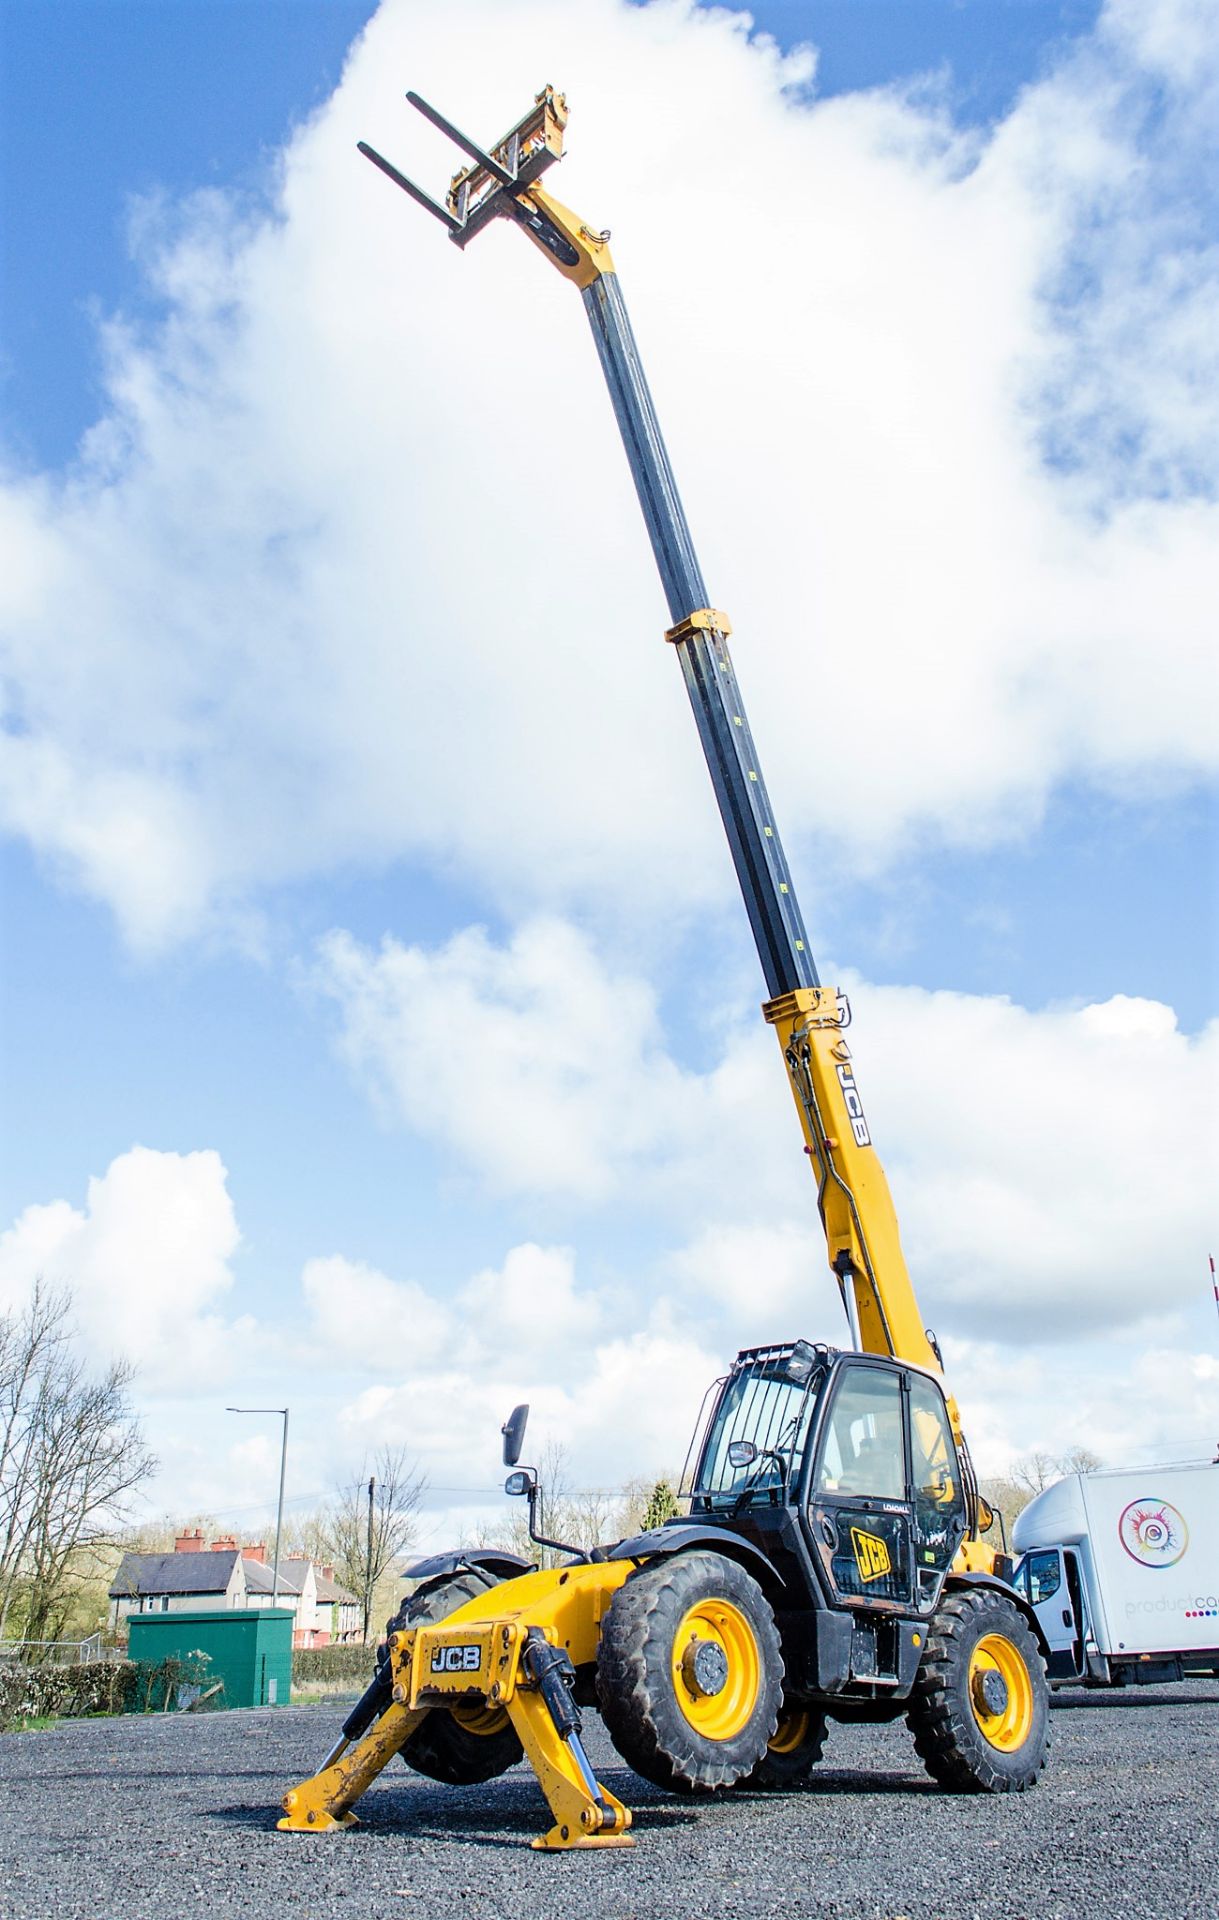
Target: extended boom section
(863,1242)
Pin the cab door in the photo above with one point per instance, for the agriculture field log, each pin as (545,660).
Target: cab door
(859,1511)
(1044,1576)
(940,1517)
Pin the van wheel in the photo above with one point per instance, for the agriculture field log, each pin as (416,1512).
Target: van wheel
(463,1745)
(980,1707)
(690,1673)
(792,1753)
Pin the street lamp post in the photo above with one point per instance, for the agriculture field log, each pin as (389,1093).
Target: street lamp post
(372,1482)
(279,1512)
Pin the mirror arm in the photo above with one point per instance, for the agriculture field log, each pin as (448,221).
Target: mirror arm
(766,1453)
(540,1539)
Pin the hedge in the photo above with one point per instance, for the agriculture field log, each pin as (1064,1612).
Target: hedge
(341,1663)
(105,1686)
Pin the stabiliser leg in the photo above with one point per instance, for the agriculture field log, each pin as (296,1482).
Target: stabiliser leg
(549,1724)
(533,1683)
(321,1804)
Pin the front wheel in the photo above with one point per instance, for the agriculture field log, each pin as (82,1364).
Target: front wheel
(690,1672)
(980,1707)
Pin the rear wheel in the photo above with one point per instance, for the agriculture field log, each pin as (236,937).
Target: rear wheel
(792,1752)
(690,1673)
(979,1710)
(461,1745)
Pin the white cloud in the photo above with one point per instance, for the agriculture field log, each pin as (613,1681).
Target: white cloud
(530,1304)
(1053,1169)
(328,584)
(617,1372)
(617,1381)
(760,1281)
(359,1317)
(148,1262)
(531,1058)
(1130,1403)
(628,1408)
(1129,1398)
(546,1069)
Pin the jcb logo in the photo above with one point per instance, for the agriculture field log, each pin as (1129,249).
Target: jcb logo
(855,1113)
(456,1659)
(871,1555)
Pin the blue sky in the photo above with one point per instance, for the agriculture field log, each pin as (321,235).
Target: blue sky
(176,874)
(104,99)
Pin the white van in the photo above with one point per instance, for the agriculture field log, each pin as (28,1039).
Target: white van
(1122,1570)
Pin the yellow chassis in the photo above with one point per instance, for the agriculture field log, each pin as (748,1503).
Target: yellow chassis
(433,1669)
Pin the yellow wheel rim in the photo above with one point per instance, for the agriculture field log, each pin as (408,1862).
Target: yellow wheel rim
(791,1732)
(1004,1714)
(717,1670)
(477,1717)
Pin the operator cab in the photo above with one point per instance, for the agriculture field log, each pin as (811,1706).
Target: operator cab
(842,1467)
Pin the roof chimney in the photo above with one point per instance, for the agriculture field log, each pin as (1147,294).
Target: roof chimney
(189,1541)
(258,1551)
(225,1544)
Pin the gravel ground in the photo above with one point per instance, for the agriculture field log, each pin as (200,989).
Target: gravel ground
(146,1819)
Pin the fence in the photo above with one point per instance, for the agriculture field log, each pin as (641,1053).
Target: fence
(55,1653)
(112,1685)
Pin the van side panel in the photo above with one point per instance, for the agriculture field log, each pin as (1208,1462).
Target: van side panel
(1148,1542)
(1155,1538)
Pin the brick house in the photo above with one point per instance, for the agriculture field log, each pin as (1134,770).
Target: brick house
(346,1623)
(223,1574)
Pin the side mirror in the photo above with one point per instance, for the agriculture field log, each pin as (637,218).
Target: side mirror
(522,1481)
(741,1453)
(513,1431)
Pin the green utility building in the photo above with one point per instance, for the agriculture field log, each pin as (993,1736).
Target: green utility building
(249,1648)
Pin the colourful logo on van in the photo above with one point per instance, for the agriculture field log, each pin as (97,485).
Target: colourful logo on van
(1153,1533)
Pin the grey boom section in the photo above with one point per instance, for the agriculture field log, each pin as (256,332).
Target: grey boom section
(719,712)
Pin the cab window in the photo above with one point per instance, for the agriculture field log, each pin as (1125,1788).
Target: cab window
(861,1449)
(773,1411)
(932,1450)
(1042,1576)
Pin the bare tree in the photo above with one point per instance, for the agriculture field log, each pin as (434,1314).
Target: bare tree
(1036,1471)
(364,1536)
(307,1535)
(29,1345)
(71,1455)
(581,1517)
(1010,1493)
(1079,1460)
